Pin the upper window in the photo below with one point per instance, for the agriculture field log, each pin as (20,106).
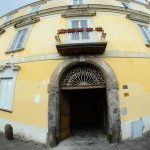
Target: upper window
(19,39)
(146,32)
(8,18)
(142,1)
(77,2)
(126,5)
(35,8)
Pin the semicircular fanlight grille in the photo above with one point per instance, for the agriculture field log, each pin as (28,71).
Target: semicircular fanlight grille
(83,76)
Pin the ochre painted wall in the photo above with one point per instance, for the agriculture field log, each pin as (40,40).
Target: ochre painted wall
(33,78)
(134,73)
(122,35)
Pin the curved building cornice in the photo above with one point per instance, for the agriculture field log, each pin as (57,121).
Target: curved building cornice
(45,1)
(88,7)
(31,4)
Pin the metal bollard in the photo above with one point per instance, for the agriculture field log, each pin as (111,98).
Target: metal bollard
(9,132)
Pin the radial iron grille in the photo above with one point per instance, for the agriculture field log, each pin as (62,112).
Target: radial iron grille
(82,76)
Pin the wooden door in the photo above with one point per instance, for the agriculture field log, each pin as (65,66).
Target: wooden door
(64,116)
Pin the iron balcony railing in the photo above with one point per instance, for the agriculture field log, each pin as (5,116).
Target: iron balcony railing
(80,35)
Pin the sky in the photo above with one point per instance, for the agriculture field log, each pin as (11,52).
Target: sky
(9,5)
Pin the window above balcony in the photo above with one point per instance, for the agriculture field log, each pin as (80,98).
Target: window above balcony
(77,2)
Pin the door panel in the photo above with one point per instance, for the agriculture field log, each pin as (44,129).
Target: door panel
(65,116)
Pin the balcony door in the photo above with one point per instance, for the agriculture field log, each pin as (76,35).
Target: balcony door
(80,37)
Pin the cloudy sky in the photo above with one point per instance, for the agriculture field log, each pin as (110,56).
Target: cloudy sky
(9,5)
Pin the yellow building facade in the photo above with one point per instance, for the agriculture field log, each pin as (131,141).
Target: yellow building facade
(61,58)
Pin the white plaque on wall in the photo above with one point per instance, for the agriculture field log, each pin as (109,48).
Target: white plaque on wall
(37,99)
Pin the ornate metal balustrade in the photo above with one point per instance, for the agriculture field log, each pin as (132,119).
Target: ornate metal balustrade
(81,41)
(84,76)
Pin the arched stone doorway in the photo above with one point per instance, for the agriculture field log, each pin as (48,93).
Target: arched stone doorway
(54,125)
(83,102)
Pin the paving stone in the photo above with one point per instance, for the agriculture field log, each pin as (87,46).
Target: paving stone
(78,142)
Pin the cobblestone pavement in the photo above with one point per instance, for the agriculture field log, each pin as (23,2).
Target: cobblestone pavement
(78,142)
(17,144)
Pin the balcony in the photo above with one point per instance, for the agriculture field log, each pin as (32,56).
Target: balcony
(81,41)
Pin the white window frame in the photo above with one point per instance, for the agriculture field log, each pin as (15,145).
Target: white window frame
(40,7)
(139,29)
(25,40)
(127,5)
(7,18)
(8,73)
(89,22)
(141,1)
(71,2)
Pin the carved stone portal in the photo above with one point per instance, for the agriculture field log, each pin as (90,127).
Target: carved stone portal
(64,75)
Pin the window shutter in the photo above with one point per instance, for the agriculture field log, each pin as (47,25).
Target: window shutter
(8,94)
(83,23)
(19,39)
(79,24)
(75,24)
(35,9)
(126,5)
(77,2)
(147,29)
(80,1)
(13,45)
(3,87)
(6,91)
(145,32)
(8,19)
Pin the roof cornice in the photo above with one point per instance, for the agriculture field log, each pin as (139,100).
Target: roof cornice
(45,1)
(127,1)
(63,9)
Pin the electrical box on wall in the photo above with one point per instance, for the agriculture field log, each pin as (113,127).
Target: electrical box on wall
(137,128)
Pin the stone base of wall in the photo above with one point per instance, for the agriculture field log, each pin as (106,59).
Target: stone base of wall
(38,134)
(27,132)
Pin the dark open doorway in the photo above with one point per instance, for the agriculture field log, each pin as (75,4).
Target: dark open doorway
(82,110)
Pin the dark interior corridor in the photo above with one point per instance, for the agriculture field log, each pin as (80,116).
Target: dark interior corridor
(88,109)
(83,110)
